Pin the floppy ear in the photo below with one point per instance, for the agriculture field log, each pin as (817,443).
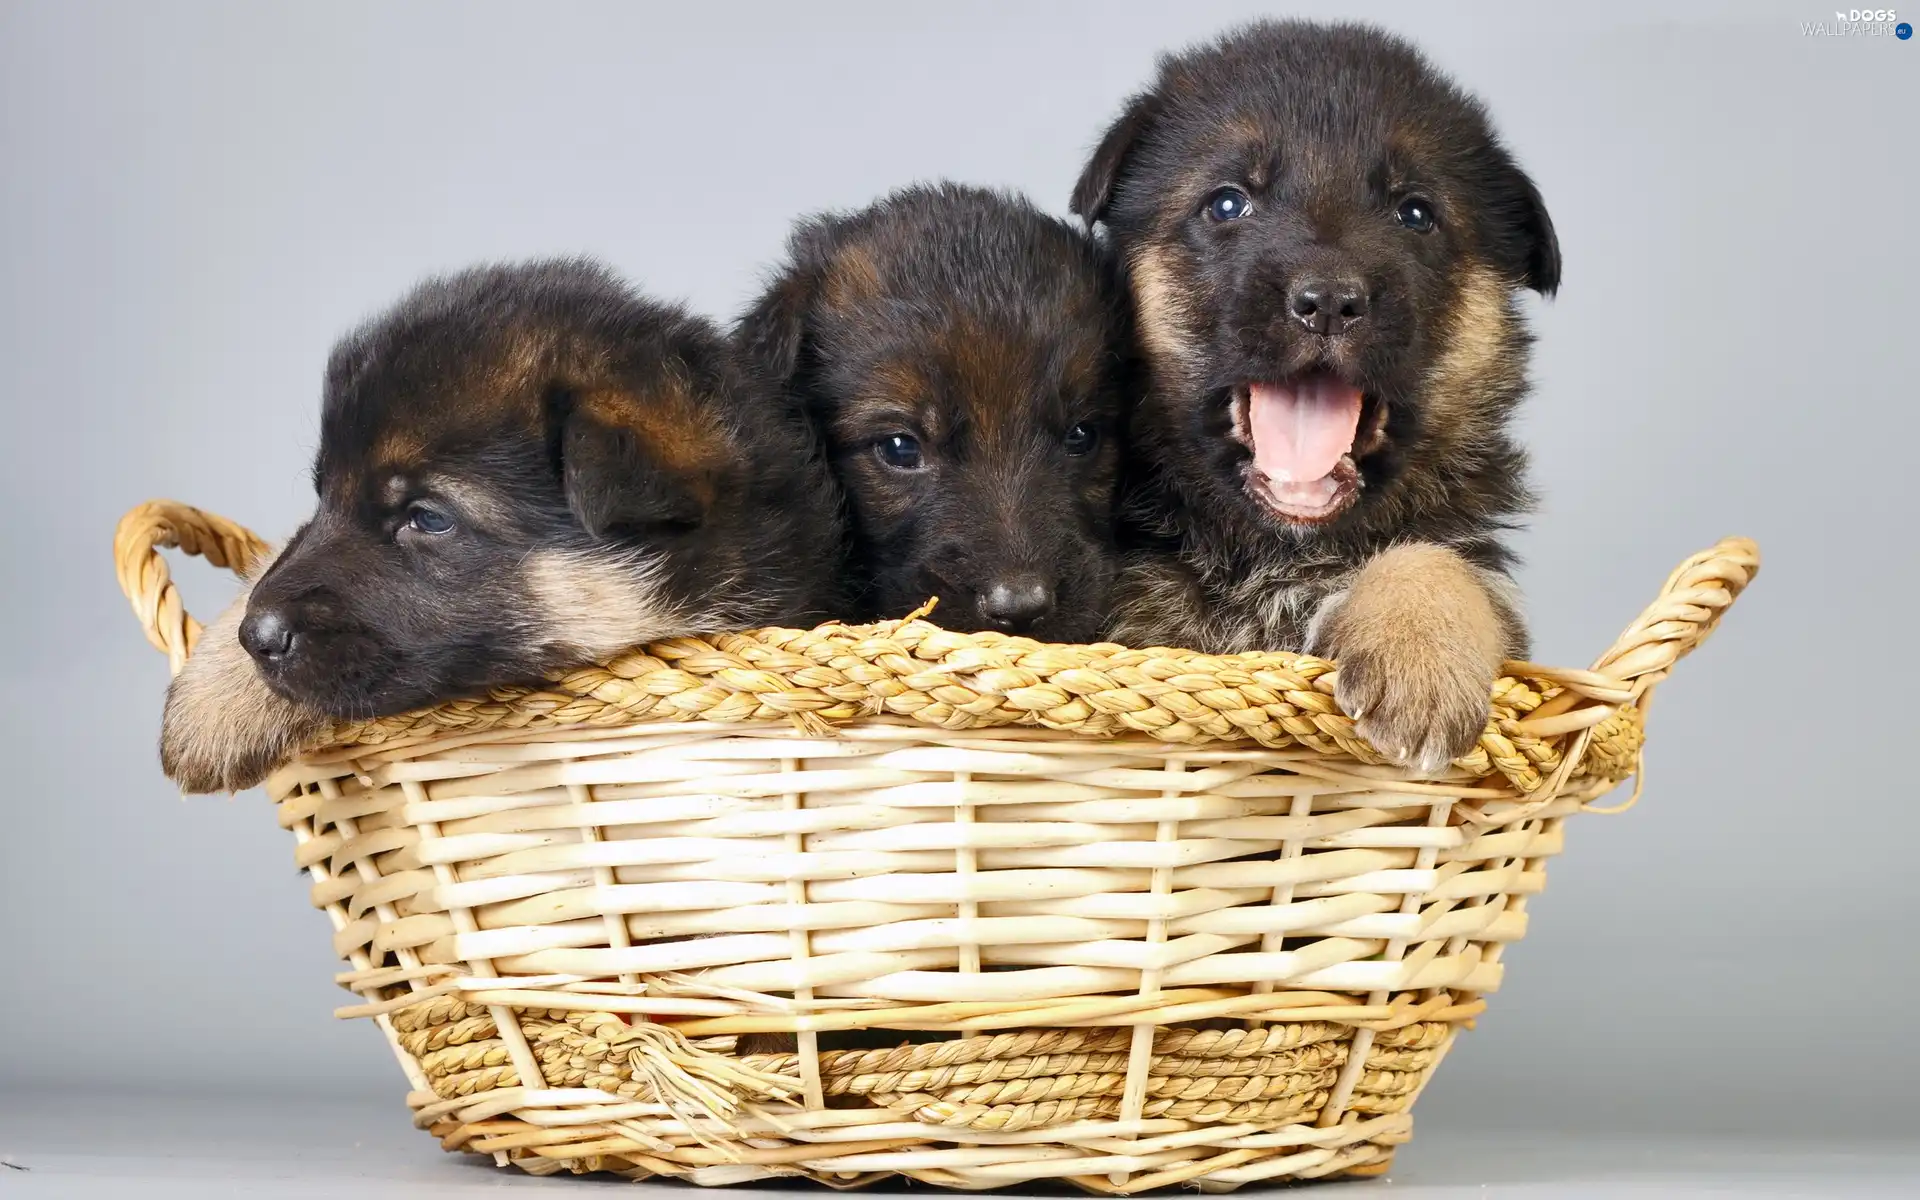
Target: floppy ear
(1531,249)
(1093,194)
(772,334)
(634,463)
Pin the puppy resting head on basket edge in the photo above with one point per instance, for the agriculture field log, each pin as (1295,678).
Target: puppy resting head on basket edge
(522,469)
(1325,242)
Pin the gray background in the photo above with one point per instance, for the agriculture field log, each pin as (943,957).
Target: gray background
(196,199)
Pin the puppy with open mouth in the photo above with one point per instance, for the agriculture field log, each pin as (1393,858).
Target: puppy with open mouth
(962,354)
(1325,242)
(522,469)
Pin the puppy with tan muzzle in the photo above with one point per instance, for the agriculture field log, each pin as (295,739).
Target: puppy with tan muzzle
(522,469)
(961,354)
(1325,242)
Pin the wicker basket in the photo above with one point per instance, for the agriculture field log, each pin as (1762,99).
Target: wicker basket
(1142,917)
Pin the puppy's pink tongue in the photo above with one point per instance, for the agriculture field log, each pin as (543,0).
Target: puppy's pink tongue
(1299,430)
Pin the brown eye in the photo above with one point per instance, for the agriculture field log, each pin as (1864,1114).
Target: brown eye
(900,451)
(1416,213)
(1228,204)
(428,520)
(1082,438)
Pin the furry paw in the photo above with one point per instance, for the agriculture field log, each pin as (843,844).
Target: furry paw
(1419,635)
(1420,706)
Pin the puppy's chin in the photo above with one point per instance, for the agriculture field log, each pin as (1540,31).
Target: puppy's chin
(224,729)
(357,696)
(1304,438)
(1075,628)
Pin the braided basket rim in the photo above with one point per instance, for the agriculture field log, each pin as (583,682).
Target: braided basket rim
(1546,724)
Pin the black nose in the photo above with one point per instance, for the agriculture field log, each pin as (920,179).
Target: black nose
(1328,306)
(267,634)
(1015,602)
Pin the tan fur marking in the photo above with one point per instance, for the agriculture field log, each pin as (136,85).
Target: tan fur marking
(1250,131)
(1478,344)
(992,372)
(1255,149)
(595,607)
(1419,638)
(399,450)
(896,401)
(1160,303)
(900,382)
(679,432)
(526,355)
(481,505)
(224,730)
(853,278)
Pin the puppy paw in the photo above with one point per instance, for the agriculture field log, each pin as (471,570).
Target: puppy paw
(224,729)
(1418,636)
(1422,706)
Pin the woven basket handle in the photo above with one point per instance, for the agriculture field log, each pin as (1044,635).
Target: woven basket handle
(166,524)
(1687,609)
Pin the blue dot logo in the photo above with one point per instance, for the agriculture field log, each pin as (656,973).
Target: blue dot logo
(1903,31)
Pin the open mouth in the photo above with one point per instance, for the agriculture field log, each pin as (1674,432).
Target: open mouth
(1306,434)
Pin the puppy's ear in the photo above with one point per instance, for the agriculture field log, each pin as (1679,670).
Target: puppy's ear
(1527,245)
(773,333)
(649,458)
(1093,194)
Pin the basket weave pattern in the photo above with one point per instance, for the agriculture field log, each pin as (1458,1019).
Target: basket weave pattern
(1141,917)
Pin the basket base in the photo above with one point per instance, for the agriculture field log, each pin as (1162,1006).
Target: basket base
(1368,1160)
(1226,1105)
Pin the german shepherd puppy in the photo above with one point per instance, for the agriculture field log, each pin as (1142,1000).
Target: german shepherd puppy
(521,469)
(961,355)
(1325,241)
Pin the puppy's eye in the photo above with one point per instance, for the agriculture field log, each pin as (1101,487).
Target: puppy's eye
(1228,204)
(1416,213)
(1082,438)
(899,450)
(428,520)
